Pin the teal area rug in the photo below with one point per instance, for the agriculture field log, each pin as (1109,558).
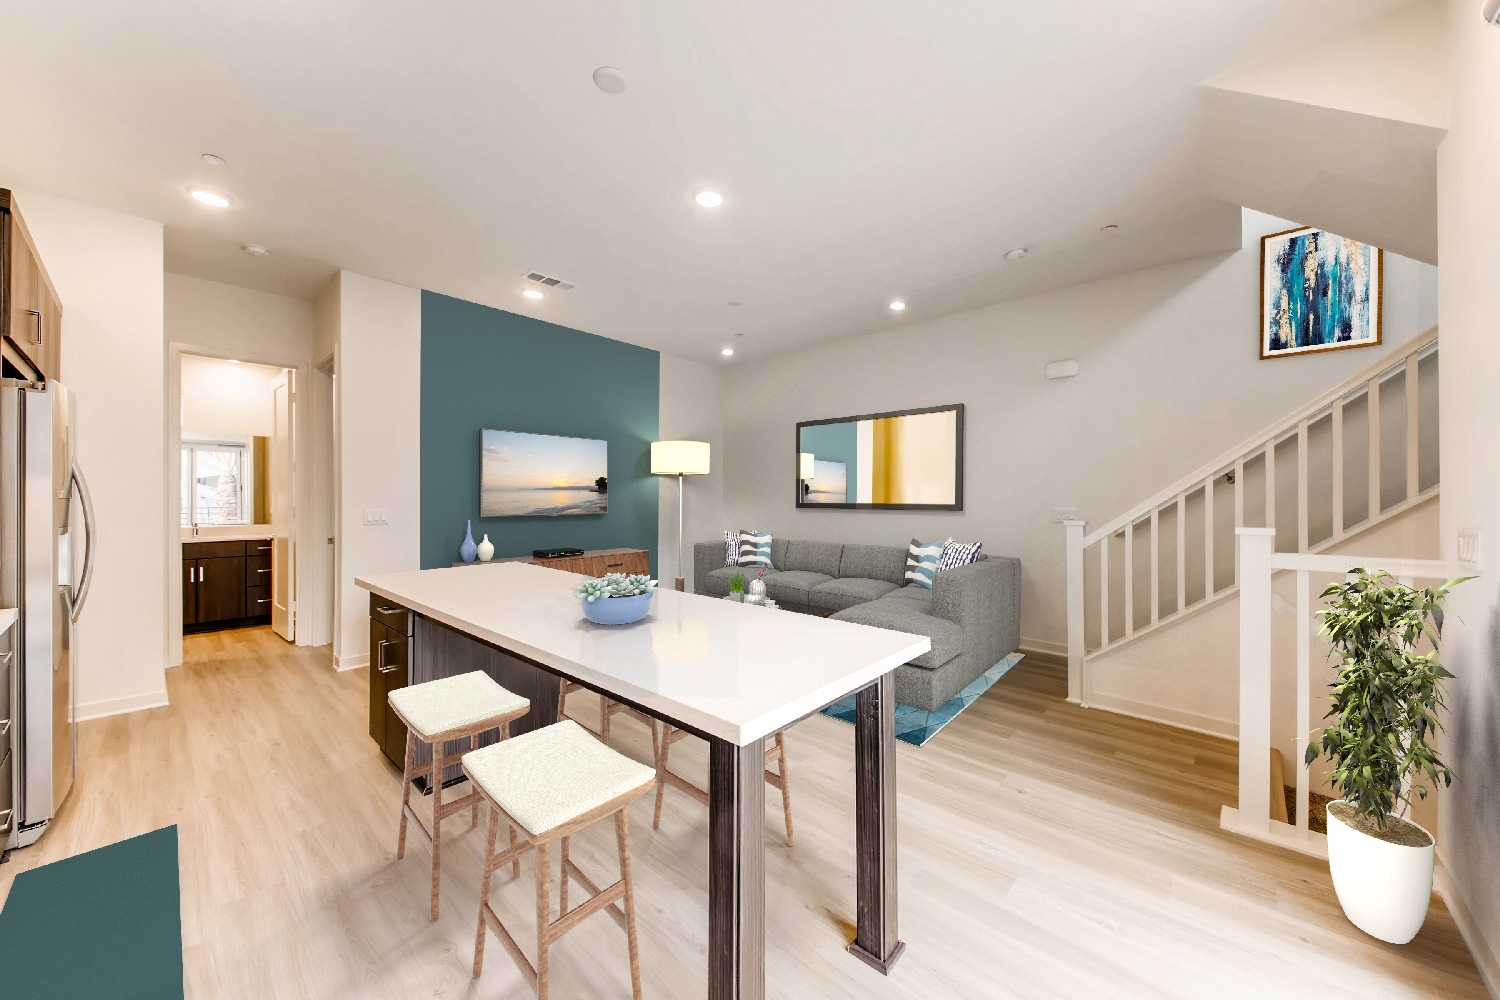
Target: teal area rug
(915,726)
(103,924)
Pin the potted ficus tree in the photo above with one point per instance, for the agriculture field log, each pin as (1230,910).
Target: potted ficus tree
(1385,705)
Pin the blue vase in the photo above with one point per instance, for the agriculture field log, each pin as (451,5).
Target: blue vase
(468,550)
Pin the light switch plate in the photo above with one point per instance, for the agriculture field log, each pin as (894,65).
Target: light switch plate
(373,516)
(1061,514)
(1468,547)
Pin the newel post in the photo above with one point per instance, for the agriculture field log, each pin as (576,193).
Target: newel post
(1074,531)
(1256,546)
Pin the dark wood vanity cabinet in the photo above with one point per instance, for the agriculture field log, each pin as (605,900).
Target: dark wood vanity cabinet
(223,585)
(30,310)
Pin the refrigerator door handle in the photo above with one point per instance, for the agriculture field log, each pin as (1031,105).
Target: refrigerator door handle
(81,592)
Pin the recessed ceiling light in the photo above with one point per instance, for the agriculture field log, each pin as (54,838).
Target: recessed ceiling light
(233,361)
(212,160)
(736,302)
(897,306)
(727,352)
(1109,228)
(709,199)
(532,293)
(209,197)
(609,80)
(1016,254)
(255,250)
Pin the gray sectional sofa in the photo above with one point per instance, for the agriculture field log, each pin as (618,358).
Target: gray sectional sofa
(972,614)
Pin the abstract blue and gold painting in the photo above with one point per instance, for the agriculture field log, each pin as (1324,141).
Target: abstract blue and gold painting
(1318,292)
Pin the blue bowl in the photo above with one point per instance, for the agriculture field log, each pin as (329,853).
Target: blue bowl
(617,610)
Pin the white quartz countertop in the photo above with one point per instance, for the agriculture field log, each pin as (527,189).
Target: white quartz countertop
(7,618)
(735,671)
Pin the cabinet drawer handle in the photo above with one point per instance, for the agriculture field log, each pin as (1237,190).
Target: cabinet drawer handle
(263,600)
(36,338)
(262,571)
(4,726)
(4,820)
(389,611)
(263,548)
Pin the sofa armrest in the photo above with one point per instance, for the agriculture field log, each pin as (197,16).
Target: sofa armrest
(984,598)
(707,557)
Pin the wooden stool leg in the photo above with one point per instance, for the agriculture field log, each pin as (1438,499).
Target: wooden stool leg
(543,914)
(604,715)
(655,745)
(484,890)
(786,784)
(562,699)
(515,866)
(622,835)
(661,772)
(474,809)
(406,777)
(437,820)
(562,882)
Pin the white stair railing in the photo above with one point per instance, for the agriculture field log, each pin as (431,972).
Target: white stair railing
(1258,564)
(1196,581)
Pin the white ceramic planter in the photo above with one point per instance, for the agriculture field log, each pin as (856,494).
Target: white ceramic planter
(1383,888)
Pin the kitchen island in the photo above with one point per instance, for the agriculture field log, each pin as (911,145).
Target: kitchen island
(730,673)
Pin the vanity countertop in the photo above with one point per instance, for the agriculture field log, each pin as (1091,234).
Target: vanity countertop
(253,536)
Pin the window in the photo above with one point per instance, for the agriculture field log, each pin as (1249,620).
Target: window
(214,484)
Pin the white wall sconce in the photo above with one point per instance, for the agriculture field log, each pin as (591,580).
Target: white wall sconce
(1061,369)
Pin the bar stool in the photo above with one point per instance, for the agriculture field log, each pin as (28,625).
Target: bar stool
(780,778)
(608,708)
(450,708)
(551,783)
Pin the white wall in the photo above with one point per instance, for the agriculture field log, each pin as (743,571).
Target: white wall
(379,351)
(108,271)
(1170,376)
(234,321)
(691,410)
(219,397)
(1469,247)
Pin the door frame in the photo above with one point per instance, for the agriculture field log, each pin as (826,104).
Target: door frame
(301,485)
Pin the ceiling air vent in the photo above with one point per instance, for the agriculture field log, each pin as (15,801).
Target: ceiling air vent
(550,281)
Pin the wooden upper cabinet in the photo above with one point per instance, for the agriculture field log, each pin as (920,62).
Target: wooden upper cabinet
(30,310)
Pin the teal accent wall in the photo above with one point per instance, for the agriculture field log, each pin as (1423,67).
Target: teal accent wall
(488,368)
(836,443)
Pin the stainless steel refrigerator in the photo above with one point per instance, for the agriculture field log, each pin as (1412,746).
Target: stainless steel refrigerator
(44,509)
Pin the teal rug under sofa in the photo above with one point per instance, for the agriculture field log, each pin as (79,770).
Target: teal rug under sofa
(105,924)
(915,726)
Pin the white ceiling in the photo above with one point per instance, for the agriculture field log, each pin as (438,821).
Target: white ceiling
(866,150)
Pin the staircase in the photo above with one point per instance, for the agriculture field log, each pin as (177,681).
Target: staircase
(1355,457)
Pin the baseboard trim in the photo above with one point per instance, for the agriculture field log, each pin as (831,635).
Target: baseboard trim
(1479,948)
(1045,647)
(1175,718)
(121,706)
(342,663)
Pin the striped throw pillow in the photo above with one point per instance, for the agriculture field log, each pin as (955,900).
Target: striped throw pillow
(731,548)
(755,549)
(956,554)
(922,562)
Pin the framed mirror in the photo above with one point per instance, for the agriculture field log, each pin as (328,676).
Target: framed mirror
(903,460)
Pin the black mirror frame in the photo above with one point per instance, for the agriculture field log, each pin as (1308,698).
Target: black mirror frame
(958,465)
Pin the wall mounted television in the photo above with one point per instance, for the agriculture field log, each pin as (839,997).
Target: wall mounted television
(541,475)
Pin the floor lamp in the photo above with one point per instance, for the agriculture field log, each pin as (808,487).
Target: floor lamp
(679,458)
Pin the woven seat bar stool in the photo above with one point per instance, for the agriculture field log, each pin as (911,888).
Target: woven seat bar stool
(608,708)
(551,783)
(450,708)
(780,778)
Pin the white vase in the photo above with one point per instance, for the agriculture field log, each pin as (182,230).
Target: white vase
(1384,888)
(486,550)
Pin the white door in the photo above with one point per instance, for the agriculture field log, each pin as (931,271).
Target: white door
(283,507)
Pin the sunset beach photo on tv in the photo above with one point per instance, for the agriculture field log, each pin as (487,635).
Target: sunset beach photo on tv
(529,475)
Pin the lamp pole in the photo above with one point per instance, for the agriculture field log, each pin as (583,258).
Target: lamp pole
(679,532)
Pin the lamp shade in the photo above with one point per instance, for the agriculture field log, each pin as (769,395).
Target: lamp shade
(805,465)
(679,458)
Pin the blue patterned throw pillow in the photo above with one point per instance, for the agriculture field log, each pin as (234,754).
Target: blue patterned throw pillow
(922,561)
(956,554)
(755,549)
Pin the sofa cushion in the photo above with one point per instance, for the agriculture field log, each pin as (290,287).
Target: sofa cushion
(920,596)
(792,586)
(717,581)
(902,616)
(812,557)
(845,592)
(874,562)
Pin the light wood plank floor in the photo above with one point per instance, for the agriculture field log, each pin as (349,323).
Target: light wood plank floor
(1046,851)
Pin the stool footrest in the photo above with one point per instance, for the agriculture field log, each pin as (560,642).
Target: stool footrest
(557,928)
(578,876)
(492,920)
(684,785)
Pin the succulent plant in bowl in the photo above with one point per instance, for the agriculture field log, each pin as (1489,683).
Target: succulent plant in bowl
(616,599)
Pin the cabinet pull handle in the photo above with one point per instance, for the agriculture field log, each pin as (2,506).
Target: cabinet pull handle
(262,571)
(4,820)
(36,338)
(263,600)
(389,611)
(612,565)
(4,726)
(201,568)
